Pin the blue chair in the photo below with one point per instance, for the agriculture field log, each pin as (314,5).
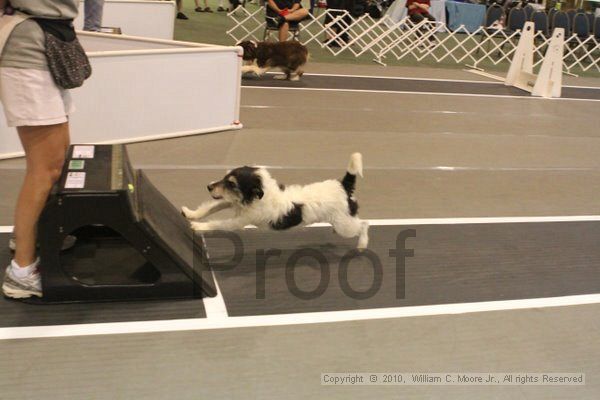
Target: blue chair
(516,20)
(590,18)
(581,26)
(493,14)
(540,22)
(551,18)
(529,12)
(571,14)
(561,20)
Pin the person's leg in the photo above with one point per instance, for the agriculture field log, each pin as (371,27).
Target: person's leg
(429,17)
(180,15)
(45,148)
(283,31)
(430,37)
(297,15)
(333,29)
(93,15)
(416,18)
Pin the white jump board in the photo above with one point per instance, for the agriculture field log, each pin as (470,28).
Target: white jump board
(147,89)
(153,19)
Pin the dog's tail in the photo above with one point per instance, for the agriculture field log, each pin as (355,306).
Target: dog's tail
(355,167)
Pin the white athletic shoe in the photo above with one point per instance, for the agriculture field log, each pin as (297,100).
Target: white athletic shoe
(21,288)
(67,243)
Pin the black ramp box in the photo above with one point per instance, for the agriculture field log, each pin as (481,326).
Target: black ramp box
(132,243)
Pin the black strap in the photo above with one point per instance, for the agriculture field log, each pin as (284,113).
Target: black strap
(60,28)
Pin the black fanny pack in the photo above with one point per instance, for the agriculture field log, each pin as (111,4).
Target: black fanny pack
(67,61)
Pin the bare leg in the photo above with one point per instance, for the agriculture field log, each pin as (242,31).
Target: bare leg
(45,149)
(205,209)
(297,15)
(283,32)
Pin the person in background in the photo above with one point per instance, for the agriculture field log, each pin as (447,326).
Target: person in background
(180,15)
(338,28)
(39,109)
(93,15)
(200,9)
(284,12)
(207,8)
(221,7)
(418,10)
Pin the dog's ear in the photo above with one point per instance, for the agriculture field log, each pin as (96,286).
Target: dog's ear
(249,50)
(249,195)
(249,184)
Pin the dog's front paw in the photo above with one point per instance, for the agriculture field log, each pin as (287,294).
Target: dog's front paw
(186,212)
(200,226)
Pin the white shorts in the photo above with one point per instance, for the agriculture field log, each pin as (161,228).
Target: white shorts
(31,98)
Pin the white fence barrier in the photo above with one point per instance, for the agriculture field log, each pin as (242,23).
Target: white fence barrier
(152,19)
(145,89)
(384,39)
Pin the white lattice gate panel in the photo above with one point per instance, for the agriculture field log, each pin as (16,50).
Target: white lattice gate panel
(338,31)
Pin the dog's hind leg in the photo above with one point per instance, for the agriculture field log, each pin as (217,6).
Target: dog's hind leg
(363,237)
(348,227)
(286,75)
(205,209)
(295,76)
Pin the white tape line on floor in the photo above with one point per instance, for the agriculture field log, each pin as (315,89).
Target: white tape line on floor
(223,322)
(449,221)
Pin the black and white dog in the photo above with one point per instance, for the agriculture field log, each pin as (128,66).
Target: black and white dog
(257,199)
(261,57)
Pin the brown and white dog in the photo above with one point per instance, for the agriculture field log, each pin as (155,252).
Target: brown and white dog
(261,57)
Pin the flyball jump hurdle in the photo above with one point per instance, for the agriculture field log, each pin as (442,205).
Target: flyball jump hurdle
(548,82)
(132,243)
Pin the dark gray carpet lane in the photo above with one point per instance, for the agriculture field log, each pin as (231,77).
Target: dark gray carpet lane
(410,85)
(451,264)
(17,314)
